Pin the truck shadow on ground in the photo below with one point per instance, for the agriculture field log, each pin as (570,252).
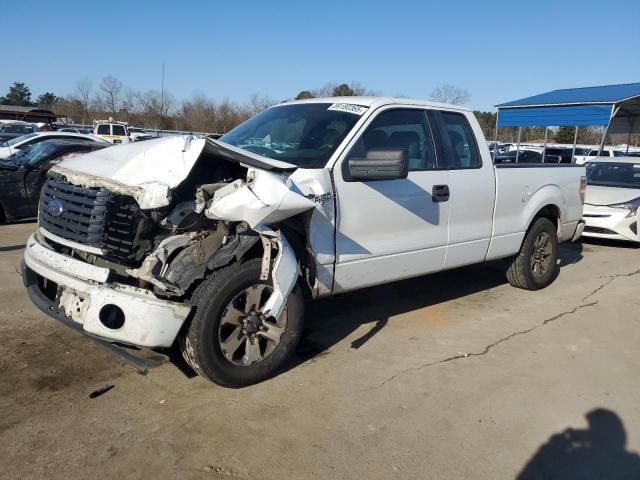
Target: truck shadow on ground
(329,321)
(612,243)
(597,452)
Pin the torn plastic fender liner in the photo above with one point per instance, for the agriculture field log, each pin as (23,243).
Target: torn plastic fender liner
(284,275)
(264,198)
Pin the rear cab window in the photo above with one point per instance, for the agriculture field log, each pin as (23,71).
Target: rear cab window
(461,141)
(119,130)
(104,129)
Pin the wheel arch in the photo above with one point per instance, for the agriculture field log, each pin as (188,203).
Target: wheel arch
(547,202)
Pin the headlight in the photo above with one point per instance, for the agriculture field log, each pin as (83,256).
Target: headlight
(631,205)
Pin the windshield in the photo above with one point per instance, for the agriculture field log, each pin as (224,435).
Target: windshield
(621,175)
(305,135)
(23,138)
(16,128)
(34,154)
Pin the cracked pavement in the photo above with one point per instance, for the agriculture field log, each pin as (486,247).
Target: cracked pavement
(456,375)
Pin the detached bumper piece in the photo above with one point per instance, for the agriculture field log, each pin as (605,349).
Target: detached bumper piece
(40,292)
(122,318)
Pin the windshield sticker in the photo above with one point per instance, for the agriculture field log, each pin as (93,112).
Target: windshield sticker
(348,107)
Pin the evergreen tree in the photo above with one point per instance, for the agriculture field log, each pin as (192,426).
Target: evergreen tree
(19,95)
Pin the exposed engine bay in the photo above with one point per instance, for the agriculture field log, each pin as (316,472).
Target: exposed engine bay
(166,236)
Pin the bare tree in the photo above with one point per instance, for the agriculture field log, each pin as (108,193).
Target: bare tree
(111,88)
(72,107)
(450,94)
(258,103)
(84,88)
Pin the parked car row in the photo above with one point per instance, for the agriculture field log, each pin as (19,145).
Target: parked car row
(533,153)
(25,162)
(10,129)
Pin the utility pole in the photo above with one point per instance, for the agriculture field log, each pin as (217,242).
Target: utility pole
(162,98)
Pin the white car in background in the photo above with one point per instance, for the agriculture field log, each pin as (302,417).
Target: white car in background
(595,153)
(10,147)
(612,198)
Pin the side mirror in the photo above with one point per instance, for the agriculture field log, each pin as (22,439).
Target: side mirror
(380,164)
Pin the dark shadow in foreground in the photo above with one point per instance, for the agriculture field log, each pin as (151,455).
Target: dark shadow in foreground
(599,452)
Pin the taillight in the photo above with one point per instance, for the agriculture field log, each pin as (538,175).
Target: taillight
(583,188)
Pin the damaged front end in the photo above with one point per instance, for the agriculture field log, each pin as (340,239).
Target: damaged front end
(157,235)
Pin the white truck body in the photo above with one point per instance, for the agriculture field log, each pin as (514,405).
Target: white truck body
(356,233)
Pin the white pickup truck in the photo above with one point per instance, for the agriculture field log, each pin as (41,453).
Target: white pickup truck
(213,245)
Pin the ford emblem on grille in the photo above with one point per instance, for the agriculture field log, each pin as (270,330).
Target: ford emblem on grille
(55,207)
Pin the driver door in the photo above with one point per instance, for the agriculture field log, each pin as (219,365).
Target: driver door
(392,229)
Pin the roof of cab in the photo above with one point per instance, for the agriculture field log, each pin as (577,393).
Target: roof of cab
(377,102)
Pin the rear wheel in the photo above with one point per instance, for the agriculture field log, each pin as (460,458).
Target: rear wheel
(228,340)
(535,266)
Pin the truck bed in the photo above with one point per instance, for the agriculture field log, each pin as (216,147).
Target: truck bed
(521,188)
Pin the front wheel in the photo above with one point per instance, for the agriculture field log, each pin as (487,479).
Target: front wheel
(228,341)
(535,265)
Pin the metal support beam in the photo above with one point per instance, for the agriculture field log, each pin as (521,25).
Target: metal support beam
(606,130)
(518,144)
(544,147)
(573,152)
(495,138)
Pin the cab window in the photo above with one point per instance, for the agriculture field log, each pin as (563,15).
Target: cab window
(405,129)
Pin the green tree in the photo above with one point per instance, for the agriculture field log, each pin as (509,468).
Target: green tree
(565,135)
(304,94)
(487,121)
(343,90)
(47,100)
(19,95)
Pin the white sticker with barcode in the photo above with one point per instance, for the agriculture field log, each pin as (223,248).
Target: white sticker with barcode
(348,107)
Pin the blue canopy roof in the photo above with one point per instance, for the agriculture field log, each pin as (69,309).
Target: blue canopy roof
(569,107)
(571,96)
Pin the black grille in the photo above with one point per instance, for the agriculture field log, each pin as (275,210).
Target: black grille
(83,211)
(92,216)
(603,231)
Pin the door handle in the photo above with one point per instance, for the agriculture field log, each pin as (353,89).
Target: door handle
(440,193)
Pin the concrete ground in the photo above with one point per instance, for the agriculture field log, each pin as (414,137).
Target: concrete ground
(452,376)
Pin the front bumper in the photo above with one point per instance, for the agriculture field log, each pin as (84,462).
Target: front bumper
(79,294)
(610,223)
(579,230)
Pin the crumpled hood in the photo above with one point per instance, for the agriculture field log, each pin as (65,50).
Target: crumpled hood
(166,161)
(609,195)
(149,170)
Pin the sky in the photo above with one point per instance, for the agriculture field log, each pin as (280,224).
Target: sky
(498,51)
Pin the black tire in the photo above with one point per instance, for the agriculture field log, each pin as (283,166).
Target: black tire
(200,343)
(522,271)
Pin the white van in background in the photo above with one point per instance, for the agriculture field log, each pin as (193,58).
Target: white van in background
(112,131)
